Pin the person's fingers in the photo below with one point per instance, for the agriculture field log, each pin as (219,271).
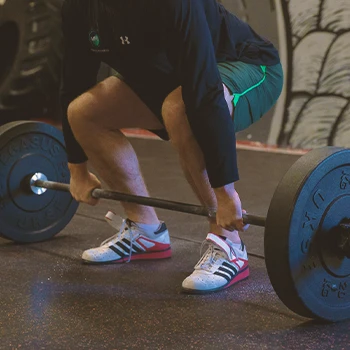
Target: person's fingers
(89,199)
(229,226)
(93,202)
(234,226)
(242,227)
(245,226)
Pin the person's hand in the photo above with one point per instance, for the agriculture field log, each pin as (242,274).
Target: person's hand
(82,183)
(229,211)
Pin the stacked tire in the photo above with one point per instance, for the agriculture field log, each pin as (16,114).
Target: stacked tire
(30,37)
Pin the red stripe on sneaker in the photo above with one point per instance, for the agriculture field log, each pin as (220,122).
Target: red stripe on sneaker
(242,275)
(154,255)
(147,256)
(236,263)
(143,256)
(156,245)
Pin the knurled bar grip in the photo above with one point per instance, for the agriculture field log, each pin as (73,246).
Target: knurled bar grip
(151,202)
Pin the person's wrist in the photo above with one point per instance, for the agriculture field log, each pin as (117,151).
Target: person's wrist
(226,191)
(78,169)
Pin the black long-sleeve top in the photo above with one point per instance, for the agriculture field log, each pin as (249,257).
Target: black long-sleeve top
(165,44)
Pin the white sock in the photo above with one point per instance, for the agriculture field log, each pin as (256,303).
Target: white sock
(148,229)
(234,245)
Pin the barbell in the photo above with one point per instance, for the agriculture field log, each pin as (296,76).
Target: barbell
(307,228)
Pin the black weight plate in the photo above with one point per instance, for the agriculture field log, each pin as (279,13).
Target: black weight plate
(308,273)
(27,148)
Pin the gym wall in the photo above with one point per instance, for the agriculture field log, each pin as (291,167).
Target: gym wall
(314,37)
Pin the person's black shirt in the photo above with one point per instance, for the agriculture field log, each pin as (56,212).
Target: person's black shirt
(163,43)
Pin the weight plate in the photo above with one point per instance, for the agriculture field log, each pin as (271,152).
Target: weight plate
(27,148)
(307,270)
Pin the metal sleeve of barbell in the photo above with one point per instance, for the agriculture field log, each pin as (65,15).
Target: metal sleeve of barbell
(51,185)
(152,202)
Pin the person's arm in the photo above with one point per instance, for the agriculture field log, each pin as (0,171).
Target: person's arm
(192,50)
(79,74)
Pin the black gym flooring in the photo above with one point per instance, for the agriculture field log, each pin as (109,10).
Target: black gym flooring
(50,300)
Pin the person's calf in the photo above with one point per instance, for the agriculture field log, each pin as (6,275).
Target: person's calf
(112,157)
(191,158)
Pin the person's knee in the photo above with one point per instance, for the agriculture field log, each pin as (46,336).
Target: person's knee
(175,119)
(177,125)
(172,109)
(82,112)
(77,111)
(72,113)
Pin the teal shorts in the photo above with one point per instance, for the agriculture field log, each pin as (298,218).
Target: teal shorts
(254,89)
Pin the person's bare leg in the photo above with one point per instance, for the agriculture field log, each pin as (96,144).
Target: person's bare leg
(96,118)
(191,157)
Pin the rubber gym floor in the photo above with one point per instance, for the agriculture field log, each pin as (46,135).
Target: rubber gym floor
(50,300)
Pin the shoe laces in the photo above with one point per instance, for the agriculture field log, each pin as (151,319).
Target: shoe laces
(126,230)
(212,255)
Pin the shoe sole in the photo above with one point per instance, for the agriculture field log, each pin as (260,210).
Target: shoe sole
(241,276)
(165,254)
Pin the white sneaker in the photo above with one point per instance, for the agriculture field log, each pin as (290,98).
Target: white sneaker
(130,243)
(222,265)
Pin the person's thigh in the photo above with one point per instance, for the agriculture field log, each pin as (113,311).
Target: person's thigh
(250,91)
(174,114)
(114,105)
(254,90)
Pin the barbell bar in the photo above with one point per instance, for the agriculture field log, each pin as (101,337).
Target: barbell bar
(147,201)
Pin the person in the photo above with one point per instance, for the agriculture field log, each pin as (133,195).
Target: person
(192,73)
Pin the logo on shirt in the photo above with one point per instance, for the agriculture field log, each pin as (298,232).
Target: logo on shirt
(94,38)
(125,40)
